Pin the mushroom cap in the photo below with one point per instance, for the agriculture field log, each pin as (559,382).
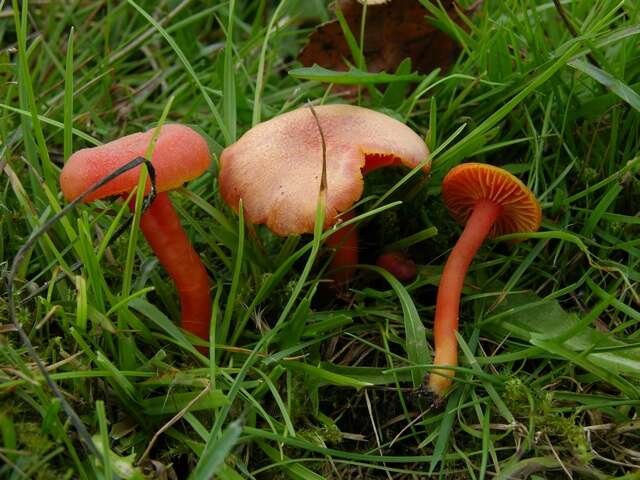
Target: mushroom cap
(467,183)
(275,167)
(180,154)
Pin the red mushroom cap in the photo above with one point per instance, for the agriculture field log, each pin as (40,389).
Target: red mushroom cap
(275,167)
(180,155)
(467,183)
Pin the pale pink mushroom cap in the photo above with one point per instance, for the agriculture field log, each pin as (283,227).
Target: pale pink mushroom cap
(180,154)
(275,167)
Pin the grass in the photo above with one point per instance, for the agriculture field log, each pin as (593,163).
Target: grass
(304,384)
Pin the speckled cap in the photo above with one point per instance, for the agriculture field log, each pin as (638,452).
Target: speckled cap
(275,167)
(180,154)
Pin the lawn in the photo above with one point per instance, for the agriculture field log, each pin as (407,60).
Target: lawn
(305,380)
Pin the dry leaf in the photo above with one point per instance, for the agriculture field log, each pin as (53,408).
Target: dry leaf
(393,31)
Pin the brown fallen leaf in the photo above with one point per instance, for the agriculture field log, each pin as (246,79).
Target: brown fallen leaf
(394,31)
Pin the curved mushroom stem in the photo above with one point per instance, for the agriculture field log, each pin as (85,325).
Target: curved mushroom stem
(345,242)
(478,226)
(161,227)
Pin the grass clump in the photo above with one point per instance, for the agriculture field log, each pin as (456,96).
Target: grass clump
(308,384)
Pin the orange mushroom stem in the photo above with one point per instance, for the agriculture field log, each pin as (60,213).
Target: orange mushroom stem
(489,201)
(180,154)
(345,241)
(345,258)
(168,240)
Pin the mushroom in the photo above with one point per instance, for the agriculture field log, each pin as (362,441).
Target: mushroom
(399,265)
(180,155)
(488,201)
(344,242)
(275,169)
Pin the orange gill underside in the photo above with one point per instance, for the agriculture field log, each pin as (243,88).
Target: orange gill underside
(373,161)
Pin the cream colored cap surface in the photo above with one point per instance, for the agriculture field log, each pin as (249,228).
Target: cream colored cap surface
(275,167)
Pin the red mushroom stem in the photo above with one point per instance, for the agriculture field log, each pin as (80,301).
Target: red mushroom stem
(161,227)
(345,242)
(478,226)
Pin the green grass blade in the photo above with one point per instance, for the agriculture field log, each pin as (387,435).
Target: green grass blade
(68,99)
(187,65)
(416,339)
(215,452)
(229,85)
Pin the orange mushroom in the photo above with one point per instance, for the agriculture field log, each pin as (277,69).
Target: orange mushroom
(180,155)
(489,201)
(275,169)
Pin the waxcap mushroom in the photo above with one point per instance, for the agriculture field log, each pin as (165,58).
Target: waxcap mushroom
(180,154)
(275,167)
(488,201)
(467,183)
